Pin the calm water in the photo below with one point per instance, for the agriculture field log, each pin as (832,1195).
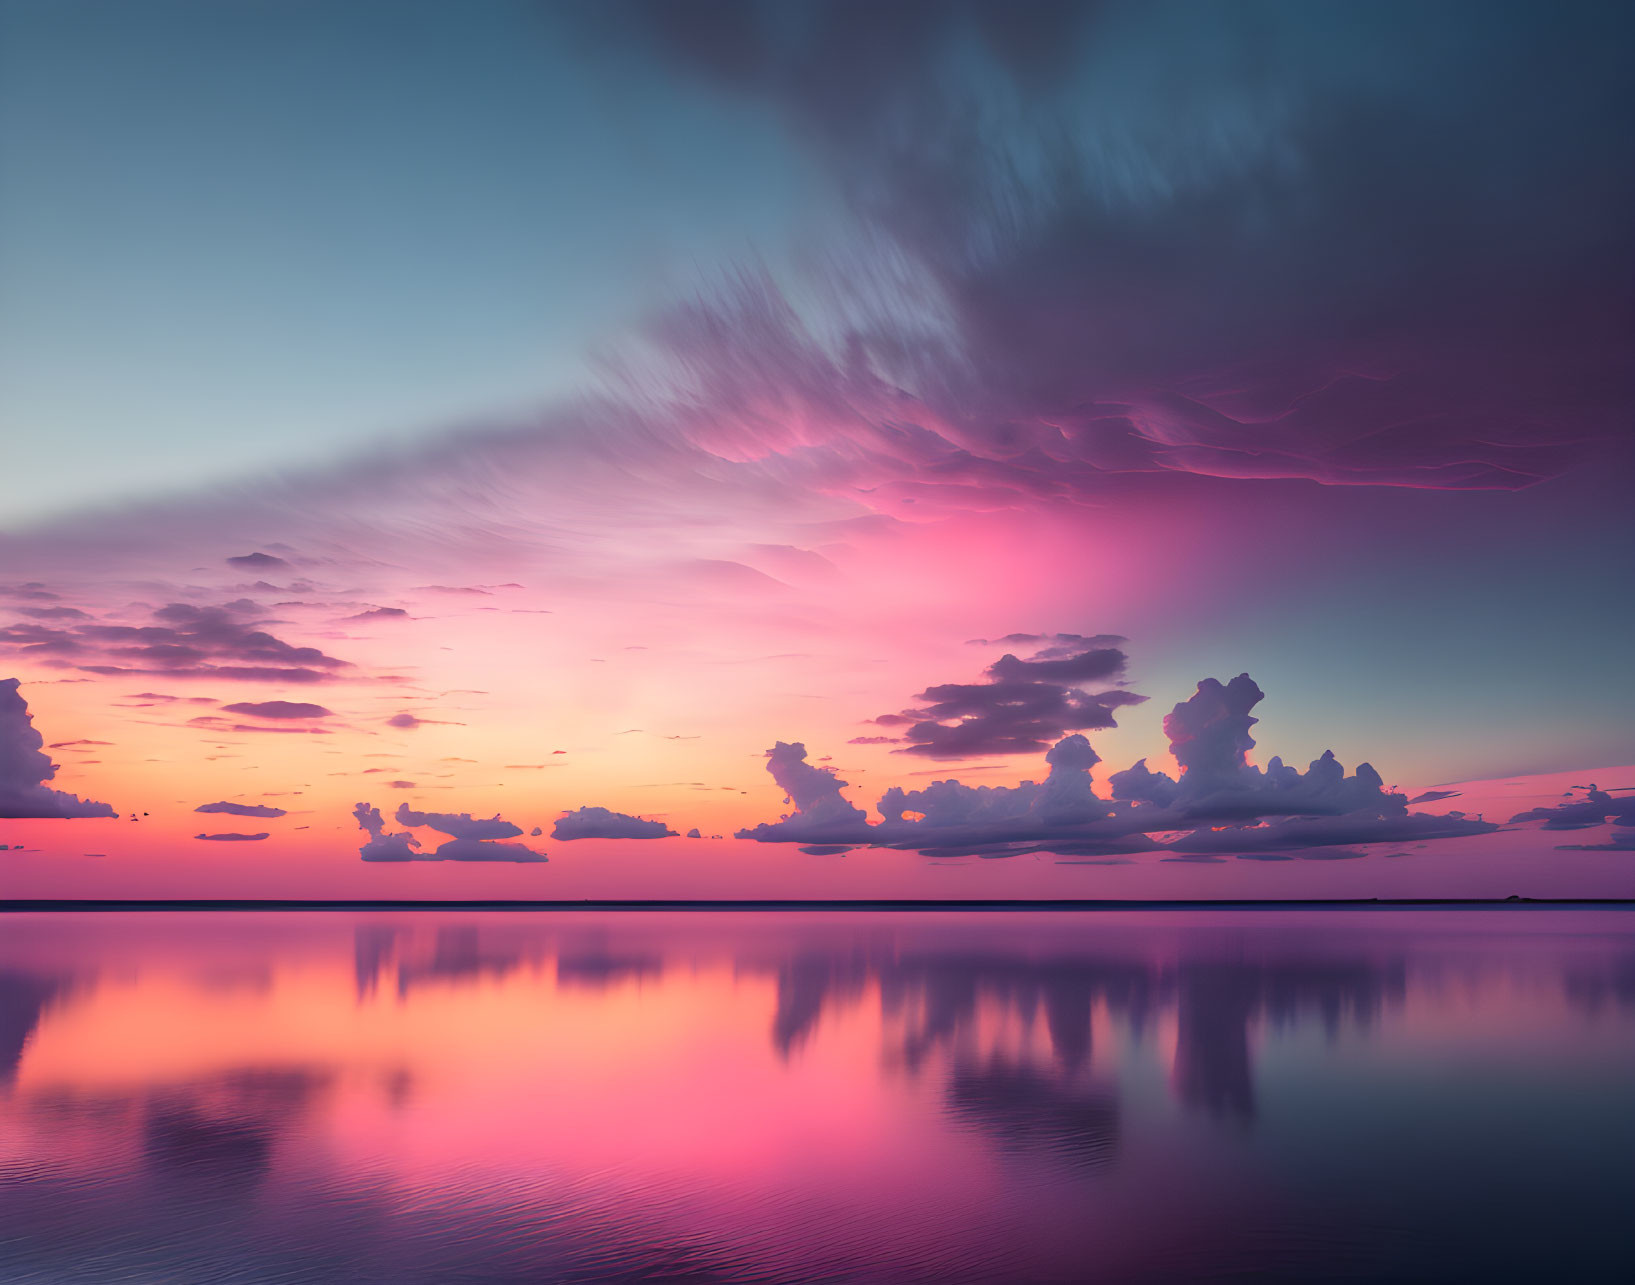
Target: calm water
(1112,1096)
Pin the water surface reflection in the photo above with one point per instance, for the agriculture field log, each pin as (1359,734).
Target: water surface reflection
(1121,1096)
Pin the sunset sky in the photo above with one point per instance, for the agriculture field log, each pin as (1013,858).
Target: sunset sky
(516,408)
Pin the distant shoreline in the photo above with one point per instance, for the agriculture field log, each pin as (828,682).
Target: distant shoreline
(18,906)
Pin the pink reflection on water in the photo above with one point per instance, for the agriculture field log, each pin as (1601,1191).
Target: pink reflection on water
(940,1094)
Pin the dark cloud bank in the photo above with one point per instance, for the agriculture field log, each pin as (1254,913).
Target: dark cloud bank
(1220,804)
(1353,243)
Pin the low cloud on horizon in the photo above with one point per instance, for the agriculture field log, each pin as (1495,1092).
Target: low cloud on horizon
(1221,803)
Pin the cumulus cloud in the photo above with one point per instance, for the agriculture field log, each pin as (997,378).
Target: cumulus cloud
(382,846)
(820,809)
(950,817)
(1140,784)
(600,823)
(473,840)
(1221,802)
(242,809)
(25,767)
(1209,735)
(1024,705)
(279,709)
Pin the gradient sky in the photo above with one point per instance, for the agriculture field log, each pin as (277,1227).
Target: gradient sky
(571,401)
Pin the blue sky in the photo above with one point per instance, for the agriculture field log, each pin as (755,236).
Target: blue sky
(246,234)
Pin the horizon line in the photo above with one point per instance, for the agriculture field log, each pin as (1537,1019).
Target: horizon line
(42,904)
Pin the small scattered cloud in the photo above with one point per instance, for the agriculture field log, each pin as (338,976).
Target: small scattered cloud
(242,809)
(256,562)
(408,721)
(234,838)
(600,823)
(279,709)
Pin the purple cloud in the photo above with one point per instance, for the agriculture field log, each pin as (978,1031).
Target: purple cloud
(1597,807)
(409,721)
(233,838)
(186,641)
(381,846)
(484,850)
(25,767)
(468,843)
(461,825)
(279,709)
(242,809)
(815,793)
(1222,802)
(599,823)
(256,561)
(1209,736)
(1025,705)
